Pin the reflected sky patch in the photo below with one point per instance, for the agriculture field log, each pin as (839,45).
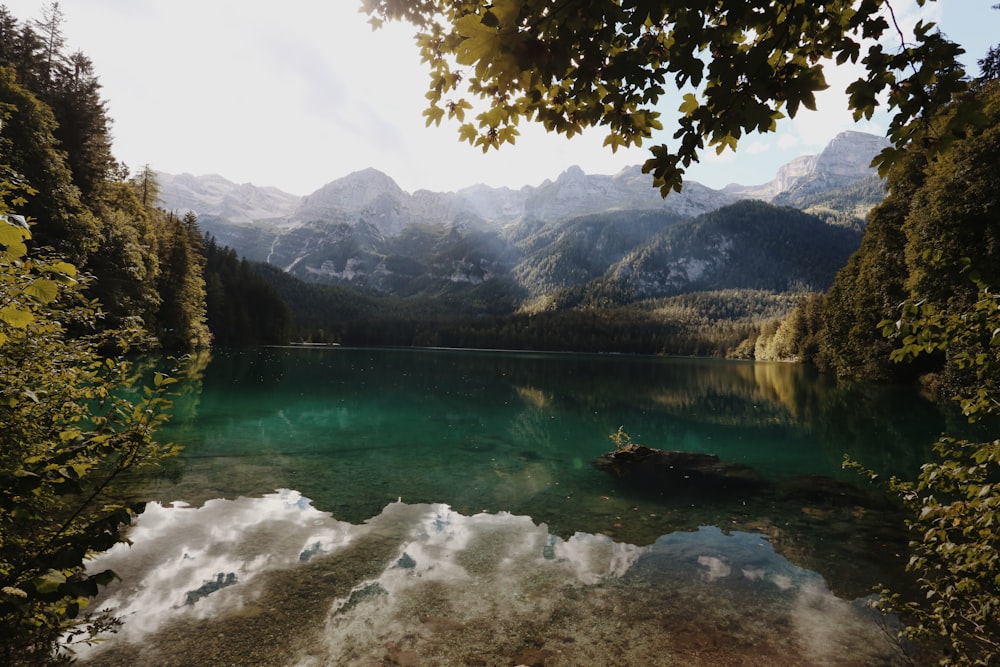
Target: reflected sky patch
(273,580)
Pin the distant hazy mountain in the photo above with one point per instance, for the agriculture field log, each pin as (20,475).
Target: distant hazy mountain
(374,197)
(579,229)
(215,196)
(575,193)
(845,161)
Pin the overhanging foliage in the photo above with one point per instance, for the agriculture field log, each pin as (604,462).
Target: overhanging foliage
(741,66)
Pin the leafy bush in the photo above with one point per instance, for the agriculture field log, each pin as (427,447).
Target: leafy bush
(955,501)
(70,425)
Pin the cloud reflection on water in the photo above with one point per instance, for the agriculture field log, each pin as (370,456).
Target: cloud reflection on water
(176,549)
(445,587)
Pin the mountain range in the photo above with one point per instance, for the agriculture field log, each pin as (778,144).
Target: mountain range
(602,234)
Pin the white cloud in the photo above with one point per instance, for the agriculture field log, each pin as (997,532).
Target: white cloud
(787,140)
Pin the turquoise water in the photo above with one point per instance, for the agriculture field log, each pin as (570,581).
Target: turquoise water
(430,507)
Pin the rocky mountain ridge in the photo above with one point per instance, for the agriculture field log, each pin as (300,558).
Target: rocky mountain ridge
(216,196)
(845,160)
(578,233)
(376,198)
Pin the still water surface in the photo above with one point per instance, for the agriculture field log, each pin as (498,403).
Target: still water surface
(423,507)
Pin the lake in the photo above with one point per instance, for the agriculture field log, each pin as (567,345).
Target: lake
(429,507)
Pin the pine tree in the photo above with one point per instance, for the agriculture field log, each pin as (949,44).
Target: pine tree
(180,320)
(51,29)
(30,147)
(83,127)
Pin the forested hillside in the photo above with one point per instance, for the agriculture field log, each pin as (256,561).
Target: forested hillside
(640,282)
(933,241)
(748,245)
(936,233)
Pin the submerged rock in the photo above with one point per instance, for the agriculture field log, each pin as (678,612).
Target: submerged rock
(828,491)
(802,516)
(671,472)
(222,580)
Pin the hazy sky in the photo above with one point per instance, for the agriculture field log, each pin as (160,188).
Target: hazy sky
(297,93)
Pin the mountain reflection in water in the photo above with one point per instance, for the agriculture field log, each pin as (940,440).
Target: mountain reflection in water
(274,581)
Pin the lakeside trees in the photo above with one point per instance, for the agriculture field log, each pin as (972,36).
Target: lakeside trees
(241,307)
(71,424)
(941,211)
(90,268)
(148,265)
(55,136)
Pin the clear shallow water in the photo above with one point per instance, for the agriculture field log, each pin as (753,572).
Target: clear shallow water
(397,507)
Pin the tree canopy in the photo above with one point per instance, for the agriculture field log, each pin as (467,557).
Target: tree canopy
(742,65)
(940,216)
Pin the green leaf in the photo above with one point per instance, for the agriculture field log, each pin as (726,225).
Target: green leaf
(614,140)
(43,289)
(434,115)
(162,380)
(16,250)
(468,132)
(19,318)
(49,582)
(63,268)
(11,234)
(689,105)
(13,591)
(481,42)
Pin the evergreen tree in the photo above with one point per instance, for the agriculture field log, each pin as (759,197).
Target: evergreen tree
(127,266)
(29,146)
(147,187)
(50,28)
(989,65)
(83,127)
(13,52)
(180,320)
(242,308)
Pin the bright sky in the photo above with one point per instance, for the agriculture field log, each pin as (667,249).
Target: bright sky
(298,93)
